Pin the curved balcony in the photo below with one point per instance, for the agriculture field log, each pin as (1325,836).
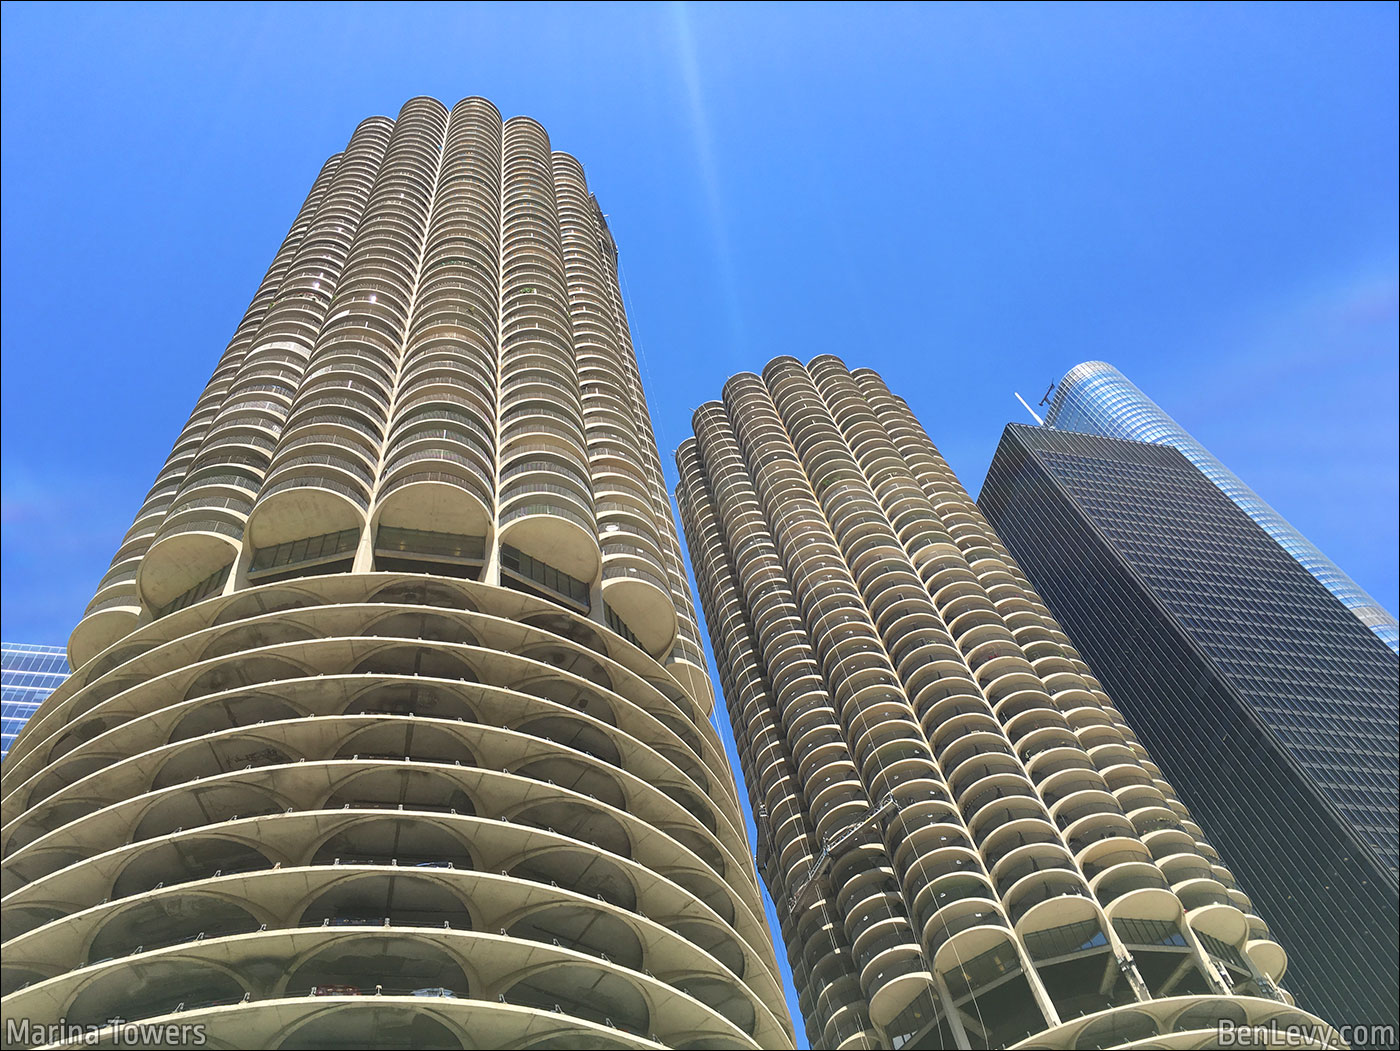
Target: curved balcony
(1200,891)
(1267,955)
(537,421)
(1182,866)
(550,524)
(898,979)
(435,494)
(309,500)
(450,436)
(964,931)
(640,596)
(1040,888)
(222,834)
(450,370)
(104,625)
(949,890)
(459,419)
(1220,920)
(1129,893)
(188,553)
(1184,1022)
(605,1003)
(1019,840)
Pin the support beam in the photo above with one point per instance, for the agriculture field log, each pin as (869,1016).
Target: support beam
(1182,970)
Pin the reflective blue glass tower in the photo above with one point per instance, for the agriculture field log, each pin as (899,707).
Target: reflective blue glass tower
(30,674)
(1095,398)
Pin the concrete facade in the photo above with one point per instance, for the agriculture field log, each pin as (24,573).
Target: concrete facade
(968,844)
(390,724)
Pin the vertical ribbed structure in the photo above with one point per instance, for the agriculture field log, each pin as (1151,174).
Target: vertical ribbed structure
(390,725)
(968,845)
(116,597)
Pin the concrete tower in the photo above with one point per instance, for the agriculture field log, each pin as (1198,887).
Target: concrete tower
(390,724)
(967,842)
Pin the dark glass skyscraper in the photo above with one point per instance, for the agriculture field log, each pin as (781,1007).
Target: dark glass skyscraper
(1272,707)
(1096,398)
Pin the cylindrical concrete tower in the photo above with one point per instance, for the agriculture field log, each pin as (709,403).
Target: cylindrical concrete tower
(967,843)
(390,724)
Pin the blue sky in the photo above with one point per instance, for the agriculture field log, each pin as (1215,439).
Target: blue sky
(970,199)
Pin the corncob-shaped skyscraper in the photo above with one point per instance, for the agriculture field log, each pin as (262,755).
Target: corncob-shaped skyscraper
(967,842)
(389,725)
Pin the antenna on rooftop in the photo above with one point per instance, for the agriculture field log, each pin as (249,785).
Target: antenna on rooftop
(1027,404)
(1047,394)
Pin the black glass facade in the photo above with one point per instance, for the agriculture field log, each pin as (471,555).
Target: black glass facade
(1268,704)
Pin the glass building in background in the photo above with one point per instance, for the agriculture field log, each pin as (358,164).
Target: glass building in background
(1271,707)
(1095,398)
(967,843)
(29,674)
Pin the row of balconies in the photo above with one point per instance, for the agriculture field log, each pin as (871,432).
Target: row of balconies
(827,988)
(1050,668)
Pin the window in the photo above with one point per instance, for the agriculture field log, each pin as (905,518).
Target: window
(323,548)
(522,565)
